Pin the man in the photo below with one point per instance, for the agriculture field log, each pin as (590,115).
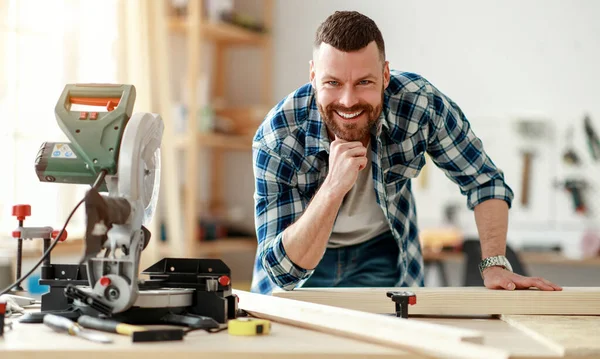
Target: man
(333,163)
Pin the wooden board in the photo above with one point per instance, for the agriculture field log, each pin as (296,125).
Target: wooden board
(567,335)
(458,300)
(418,337)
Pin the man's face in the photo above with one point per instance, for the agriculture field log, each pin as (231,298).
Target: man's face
(349,88)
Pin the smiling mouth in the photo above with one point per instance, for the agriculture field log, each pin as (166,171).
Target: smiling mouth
(349,115)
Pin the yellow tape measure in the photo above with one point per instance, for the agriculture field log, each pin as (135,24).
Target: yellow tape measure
(249,326)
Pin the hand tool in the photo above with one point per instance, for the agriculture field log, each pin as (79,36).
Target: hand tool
(61,324)
(526,178)
(575,188)
(249,326)
(592,139)
(137,333)
(531,130)
(402,300)
(570,157)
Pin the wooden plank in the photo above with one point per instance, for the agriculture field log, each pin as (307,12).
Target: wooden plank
(458,300)
(418,337)
(567,335)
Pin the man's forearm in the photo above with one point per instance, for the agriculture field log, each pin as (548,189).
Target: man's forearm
(305,241)
(491,217)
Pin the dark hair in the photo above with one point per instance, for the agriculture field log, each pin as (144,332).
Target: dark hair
(349,31)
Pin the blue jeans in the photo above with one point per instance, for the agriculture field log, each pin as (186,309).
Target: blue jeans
(370,264)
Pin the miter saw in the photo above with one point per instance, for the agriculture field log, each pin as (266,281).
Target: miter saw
(120,154)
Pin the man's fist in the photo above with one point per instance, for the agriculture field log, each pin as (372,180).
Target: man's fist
(346,159)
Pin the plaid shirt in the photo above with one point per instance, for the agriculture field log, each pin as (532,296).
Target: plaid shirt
(290,159)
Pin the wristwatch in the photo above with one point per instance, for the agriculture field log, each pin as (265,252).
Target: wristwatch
(495,261)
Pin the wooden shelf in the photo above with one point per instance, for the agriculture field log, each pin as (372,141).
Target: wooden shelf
(216,247)
(218,140)
(221,32)
(239,123)
(226,245)
(242,120)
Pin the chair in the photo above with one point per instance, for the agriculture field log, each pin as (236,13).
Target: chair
(472,250)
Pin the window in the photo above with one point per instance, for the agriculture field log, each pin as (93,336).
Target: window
(45,45)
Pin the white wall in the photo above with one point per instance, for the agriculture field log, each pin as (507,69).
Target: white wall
(499,60)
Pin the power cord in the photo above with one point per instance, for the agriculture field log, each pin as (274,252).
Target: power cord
(96,185)
(209,330)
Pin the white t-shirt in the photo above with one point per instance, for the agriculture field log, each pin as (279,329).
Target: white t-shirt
(360,218)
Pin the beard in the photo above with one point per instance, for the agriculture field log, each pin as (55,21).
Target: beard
(350,131)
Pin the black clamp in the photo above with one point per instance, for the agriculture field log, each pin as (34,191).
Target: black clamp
(402,300)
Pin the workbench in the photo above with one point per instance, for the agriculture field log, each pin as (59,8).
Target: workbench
(285,341)
(522,336)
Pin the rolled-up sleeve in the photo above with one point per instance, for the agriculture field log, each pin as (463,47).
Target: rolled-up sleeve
(454,148)
(278,204)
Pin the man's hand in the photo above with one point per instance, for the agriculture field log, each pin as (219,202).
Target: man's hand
(500,278)
(346,159)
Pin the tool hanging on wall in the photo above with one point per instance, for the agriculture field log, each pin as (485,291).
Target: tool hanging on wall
(526,177)
(530,131)
(593,140)
(570,157)
(575,187)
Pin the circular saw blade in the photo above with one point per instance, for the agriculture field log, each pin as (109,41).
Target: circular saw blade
(150,184)
(139,162)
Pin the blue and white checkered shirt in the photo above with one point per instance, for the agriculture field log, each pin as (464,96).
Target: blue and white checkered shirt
(290,159)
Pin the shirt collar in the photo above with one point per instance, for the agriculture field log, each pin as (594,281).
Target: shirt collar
(316,137)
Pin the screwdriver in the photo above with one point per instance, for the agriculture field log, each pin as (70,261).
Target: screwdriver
(62,324)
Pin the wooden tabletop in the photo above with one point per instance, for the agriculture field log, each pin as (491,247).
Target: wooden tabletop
(38,341)
(26,341)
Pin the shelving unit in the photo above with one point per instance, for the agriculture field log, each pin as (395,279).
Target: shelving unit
(183,210)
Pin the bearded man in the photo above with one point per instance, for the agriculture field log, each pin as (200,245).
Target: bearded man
(333,163)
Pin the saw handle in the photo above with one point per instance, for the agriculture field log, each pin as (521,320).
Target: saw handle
(109,102)
(108,95)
